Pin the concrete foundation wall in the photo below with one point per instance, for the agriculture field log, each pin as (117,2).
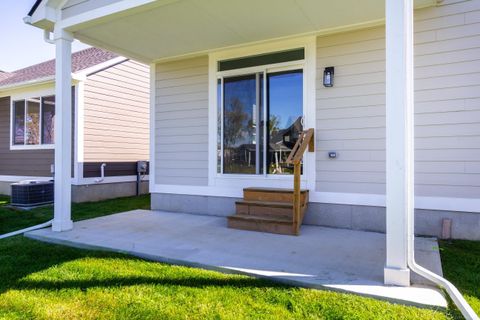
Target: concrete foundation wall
(95,192)
(465,225)
(5,188)
(104,191)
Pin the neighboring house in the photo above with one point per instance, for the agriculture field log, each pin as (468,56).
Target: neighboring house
(110,123)
(227,77)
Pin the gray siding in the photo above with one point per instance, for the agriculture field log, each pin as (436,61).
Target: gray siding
(181,120)
(117,108)
(351,115)
(20,162)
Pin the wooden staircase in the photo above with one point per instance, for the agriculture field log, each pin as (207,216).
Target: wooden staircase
(269,210)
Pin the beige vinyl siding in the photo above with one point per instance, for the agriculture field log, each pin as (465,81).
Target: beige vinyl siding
(30,163)
(181,121)
(351,115)
(116,119)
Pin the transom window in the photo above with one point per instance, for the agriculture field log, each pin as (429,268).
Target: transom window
(33,121)
(260,113)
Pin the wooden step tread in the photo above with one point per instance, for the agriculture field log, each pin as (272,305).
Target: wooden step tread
(272,190)
(274,204)
(282,220)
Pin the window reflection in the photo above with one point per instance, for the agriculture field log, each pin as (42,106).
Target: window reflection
(33,121)
(48,120)
(245,138)
(239,141)
(285,111)
(19,123)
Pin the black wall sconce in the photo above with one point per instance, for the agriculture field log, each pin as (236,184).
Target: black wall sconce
(328,76)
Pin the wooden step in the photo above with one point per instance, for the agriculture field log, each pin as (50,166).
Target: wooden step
(265,209)
(277,225)
(273,195)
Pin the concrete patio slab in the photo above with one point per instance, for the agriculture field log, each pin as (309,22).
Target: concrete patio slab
(336,259)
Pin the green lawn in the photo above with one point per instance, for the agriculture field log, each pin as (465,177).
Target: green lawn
(43,281)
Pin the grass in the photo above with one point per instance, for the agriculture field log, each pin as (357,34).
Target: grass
(461,265)
(44,281)
(11,219)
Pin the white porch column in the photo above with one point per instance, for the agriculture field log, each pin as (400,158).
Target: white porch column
(399,100)
(63,131)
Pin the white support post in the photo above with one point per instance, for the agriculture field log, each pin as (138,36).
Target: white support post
(399,100)
(62,220)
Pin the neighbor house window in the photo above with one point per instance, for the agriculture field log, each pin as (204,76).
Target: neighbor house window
(33,121)
(260,112)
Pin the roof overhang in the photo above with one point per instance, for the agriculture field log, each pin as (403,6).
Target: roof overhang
(44,14)
(76,77)
(153,30)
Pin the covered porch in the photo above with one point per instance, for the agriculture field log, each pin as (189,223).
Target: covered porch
(335,259)
(155,32)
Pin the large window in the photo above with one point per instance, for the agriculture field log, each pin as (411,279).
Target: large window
(260,115)
(33,121)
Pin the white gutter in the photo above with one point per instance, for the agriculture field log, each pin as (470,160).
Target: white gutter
(27,83)
(14,233)
(46,80)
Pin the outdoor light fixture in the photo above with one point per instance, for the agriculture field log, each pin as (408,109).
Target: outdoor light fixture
(328,76)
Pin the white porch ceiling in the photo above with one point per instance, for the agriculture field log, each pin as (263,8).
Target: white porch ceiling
(192,26)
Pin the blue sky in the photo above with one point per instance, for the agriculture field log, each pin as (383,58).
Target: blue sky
(22,45)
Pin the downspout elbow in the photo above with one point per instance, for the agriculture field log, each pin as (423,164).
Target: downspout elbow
(47,38)
(452,291)
(102,173)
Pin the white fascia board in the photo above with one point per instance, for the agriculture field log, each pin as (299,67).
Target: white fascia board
(6,90)
(82,74)
(22,178)
(19,85)
(45,16)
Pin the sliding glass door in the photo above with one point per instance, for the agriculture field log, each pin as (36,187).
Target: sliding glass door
(285,114)
(246,104)
(240,114)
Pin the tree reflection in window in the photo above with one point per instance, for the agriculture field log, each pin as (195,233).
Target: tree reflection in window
(239,150)
(34,121)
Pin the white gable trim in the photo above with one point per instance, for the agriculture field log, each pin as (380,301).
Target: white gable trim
(76,77)
(99,67)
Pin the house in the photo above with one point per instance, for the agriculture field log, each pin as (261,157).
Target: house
(227,76)
(110,124)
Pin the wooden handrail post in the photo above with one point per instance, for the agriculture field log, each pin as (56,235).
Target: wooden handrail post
(296,196)
(305,140)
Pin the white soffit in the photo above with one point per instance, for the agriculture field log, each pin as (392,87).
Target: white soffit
(191,26)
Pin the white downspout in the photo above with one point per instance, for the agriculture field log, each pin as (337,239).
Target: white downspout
(400,154)
(47,38)
(452,291)
(102,173)
(14,233)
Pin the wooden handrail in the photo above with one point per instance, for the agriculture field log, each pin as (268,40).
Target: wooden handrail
(305,140)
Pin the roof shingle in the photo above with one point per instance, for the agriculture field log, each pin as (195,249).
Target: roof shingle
(80,60)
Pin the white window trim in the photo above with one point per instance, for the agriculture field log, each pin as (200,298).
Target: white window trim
(26,96)
(308,66)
